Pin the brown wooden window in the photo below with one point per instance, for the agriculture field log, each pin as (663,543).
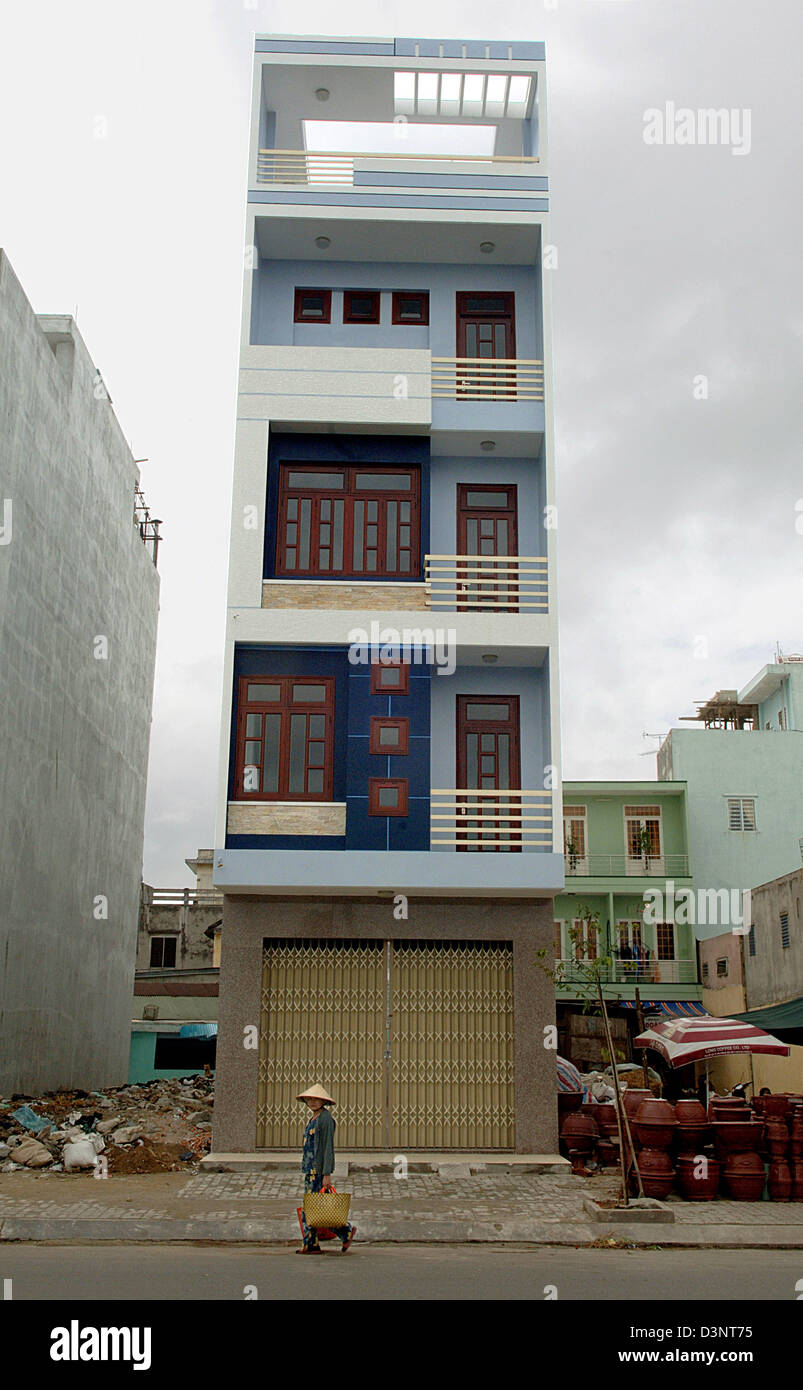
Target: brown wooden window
(665,936)
(285,738)
(387,796)
(410,306)
(348,522)
(361,306)
(313,306)
(390,678)
(389,735)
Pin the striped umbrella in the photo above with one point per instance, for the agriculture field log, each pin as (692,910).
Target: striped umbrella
(568,1076)
(683,1040)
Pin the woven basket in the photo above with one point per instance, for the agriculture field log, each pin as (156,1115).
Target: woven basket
(327,1208)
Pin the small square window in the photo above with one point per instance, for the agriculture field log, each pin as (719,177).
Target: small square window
(389,736)
(387,796)
(722,966)
(163,952)
(313,306)
(410,306)
(361,306)
(390,678)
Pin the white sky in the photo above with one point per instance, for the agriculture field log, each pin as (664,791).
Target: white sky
(123,152)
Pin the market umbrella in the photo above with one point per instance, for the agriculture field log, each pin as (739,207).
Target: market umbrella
(568,1076)
(683,1040)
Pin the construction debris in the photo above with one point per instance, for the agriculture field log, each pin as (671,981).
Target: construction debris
(154,1127)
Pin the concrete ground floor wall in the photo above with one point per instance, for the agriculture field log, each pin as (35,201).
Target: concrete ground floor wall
(249,921)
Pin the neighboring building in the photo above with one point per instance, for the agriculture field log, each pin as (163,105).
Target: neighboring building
(622,840)
(79,595)
(393,474)
(744,776)
(174,1024)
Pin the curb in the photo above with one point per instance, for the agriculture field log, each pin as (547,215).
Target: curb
(404,1231)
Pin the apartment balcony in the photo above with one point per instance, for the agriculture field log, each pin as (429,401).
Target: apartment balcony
(358,388)
(482,583)
(627,866)
(485,177)
(626,972)
(491,820)
(487,379)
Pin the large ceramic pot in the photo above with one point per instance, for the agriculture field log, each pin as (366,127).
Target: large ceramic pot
(775,1107)
(657,1173)
(590,1108)
(779,1182)
(579,1132)
(744,1177)
(654,1124)
(690,1112)
(607,1153)
(796,1169)
(737,1136)
(606,1117)
(633,1097)
(690,1139)
(797,1136)
(698,1181)
(776,1137)
(738,1112)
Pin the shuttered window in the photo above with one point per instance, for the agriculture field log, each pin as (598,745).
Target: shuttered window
(741,813)
(785,930)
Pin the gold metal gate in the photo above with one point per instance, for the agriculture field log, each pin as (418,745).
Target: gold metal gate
(414,1040)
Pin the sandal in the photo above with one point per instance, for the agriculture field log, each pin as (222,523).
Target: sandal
(349,1238)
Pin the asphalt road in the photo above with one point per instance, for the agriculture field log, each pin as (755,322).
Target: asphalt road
(173,1272)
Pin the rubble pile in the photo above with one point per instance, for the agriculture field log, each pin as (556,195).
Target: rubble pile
(154,1127)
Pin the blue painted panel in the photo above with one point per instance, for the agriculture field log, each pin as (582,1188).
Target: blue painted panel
(412,451)
(299,842)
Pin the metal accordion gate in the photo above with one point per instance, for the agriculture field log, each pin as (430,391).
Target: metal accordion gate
(414,1039)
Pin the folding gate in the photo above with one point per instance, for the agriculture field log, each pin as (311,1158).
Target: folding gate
(413,1039)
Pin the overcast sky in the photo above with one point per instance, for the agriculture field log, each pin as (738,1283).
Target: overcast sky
(123,154)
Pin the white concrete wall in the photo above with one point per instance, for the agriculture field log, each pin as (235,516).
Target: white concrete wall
(74,729)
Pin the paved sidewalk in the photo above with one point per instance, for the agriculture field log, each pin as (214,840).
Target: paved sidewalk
(539,1209)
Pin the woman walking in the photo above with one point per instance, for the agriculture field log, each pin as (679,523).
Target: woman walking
(317,1164)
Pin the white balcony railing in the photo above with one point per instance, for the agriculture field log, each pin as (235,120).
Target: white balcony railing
(495,819)
(317,167)
(487,379)
(632,972)
(504,583)
(627,866)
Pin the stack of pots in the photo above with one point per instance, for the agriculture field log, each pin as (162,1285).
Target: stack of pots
(653,1126)
(778,1116)
(579,1134)
(796,1161)
(608,1146)
(698,1172)
(738,1139)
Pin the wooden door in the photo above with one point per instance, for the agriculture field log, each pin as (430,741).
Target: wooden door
(487,525)
(488,760)
(486,331)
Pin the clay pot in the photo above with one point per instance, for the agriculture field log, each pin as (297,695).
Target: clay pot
(606,1117)
(735,1136)
(738,1112)
(702,1188)
(780,1180)
(776,1137)
(775,1107)
(579,1133)
(654,1124)
(744,1177)
(568,1101)
(657,1173)
(607,1154)
(797,1136)
(578,1162)
(690,1139)
(690,1112)
(796,1169)
(632,1099)
(590,1108)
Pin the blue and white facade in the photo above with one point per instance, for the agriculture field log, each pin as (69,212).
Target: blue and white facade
(390,760)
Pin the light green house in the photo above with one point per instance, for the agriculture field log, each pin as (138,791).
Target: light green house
(623,840)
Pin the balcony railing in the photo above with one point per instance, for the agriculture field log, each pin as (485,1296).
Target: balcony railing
(317,167)
(475,583)
(487,379)
(627,866)
(494,819)
(631,972)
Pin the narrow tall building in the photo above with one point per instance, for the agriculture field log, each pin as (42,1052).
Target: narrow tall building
(389,837)
(79,599)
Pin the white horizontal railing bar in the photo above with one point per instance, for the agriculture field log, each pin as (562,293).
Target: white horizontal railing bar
(343,156)
(488,791)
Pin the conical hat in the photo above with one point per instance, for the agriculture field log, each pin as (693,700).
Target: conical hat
(316,1093)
